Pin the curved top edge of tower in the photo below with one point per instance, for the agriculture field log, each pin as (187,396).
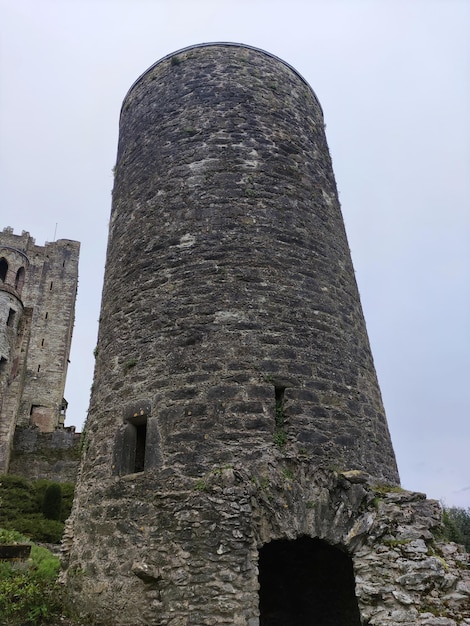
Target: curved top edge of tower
(220,44)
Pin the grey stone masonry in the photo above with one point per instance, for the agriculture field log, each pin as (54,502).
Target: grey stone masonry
(54,456)
(229,287)
(237,464)
(188,554)
(38,286)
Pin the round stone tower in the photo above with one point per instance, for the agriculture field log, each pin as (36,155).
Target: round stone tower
(233,365)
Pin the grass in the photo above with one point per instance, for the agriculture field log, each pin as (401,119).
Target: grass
(29,592)
(128,365)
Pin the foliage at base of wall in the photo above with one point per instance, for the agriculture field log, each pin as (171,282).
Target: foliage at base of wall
(26,506)
(457,525)
(29,592)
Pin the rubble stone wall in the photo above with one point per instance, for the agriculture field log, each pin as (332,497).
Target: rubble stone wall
(54,456)
(188,555)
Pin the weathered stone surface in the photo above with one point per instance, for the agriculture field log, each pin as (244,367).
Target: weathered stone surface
(227,250)
(192,549)
(234,373)
(53,456)
(38,287)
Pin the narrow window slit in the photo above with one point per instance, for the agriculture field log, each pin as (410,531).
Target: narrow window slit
(19,280)
(279,395)
(137,444)
(140,443)
(280,435)
(131,444)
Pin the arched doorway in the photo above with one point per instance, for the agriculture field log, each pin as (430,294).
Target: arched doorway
(306,582)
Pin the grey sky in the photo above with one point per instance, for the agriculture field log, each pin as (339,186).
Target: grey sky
(393,81)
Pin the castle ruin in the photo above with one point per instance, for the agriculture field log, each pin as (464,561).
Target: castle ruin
(38,287)
(237,464)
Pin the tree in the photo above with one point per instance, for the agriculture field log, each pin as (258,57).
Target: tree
(52,503)
(457,525)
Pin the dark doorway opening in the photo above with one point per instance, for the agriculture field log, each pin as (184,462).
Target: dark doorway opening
(306,582)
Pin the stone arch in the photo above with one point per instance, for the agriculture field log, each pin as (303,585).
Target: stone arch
(306,581)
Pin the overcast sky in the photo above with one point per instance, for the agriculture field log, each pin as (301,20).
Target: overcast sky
(393,78)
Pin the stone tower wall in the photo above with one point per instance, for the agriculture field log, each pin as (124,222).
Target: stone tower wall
(233,373)
(231,346)
(230,310)
(36,341)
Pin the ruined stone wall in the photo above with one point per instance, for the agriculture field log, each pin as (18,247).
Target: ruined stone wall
(42,280)
(188,554)
(53,456)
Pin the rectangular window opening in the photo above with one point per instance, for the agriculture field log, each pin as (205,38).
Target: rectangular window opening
(137,442)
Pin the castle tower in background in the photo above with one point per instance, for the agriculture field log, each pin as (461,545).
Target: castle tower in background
(235,420)
(38,287)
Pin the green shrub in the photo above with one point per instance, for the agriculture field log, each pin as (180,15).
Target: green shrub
(68,490)
(17,496)
(23,505)
(52,503)
(37,528)
(11,536)
(45,563)
(29,594)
